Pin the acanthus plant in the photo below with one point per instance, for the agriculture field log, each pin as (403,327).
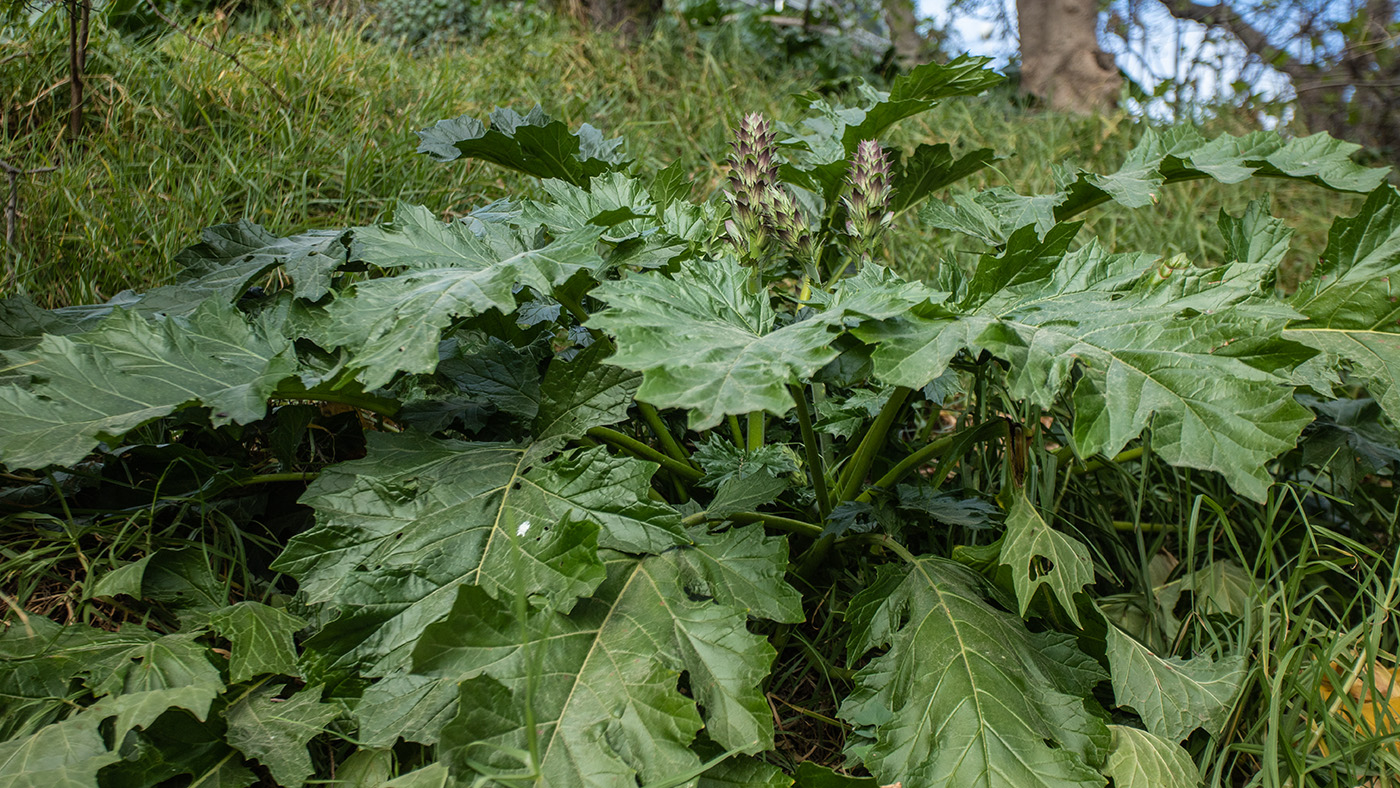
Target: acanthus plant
(599,477)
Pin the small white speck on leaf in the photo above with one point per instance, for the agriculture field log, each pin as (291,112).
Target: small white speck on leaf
(523,528)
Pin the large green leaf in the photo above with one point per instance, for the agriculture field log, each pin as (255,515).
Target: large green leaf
(1038,555)
(965,695)
(394,323)
(604,679)
(274,731)
(930,168)
(613,200)
(1141,760)
(704,342)
(532,143)
(1173,696)
(1180,154)
(261,637)
(230,255)
(1350,300)
(820,147)
(399,531)
(101,384)
(583,392)
(67,754)
(1145,345)
(167,663)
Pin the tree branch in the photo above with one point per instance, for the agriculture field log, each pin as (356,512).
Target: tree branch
(1222,16)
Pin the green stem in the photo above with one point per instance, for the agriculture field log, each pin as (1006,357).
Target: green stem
(1127,526)
(736,431)
(1098,465)
(887,542)
(273,478)
(778,522)
(823,440)
(816,470)
(376,405)
(639,449)
(870,445)
(957,443)
(658,428)
(574,307)
(757,420)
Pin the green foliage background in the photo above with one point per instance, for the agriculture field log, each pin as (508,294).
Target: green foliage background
(541,474)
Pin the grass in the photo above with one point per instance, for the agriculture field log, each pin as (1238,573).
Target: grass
(178,138)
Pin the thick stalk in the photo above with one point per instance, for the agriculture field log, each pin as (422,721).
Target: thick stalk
(1098,465)
(658,428)
(887,542)
(816,469)
(951,448)
(870,445)
(638,449)
(736,431)
(574,307)
(757,420)
(375,405)
(823,440)
(777,522)
(272,478)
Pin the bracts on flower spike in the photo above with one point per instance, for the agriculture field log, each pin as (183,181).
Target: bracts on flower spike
(752,174)
(761,209)
(867,204)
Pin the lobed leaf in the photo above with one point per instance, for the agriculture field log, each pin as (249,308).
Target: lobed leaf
(704,342)
(261,637)
(394,323)
(275,731)
(1049,313)
(126,372)
(965,694)
(607,710)
(1141,760)
(1350,301)
(533,143)
(1173,696)
(1180,154)
(1038,555)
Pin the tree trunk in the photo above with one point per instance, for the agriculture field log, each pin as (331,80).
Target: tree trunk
(1061,61)
(631,19)
(909,47)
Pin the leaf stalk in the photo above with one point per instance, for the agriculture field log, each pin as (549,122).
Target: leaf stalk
(641,450)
